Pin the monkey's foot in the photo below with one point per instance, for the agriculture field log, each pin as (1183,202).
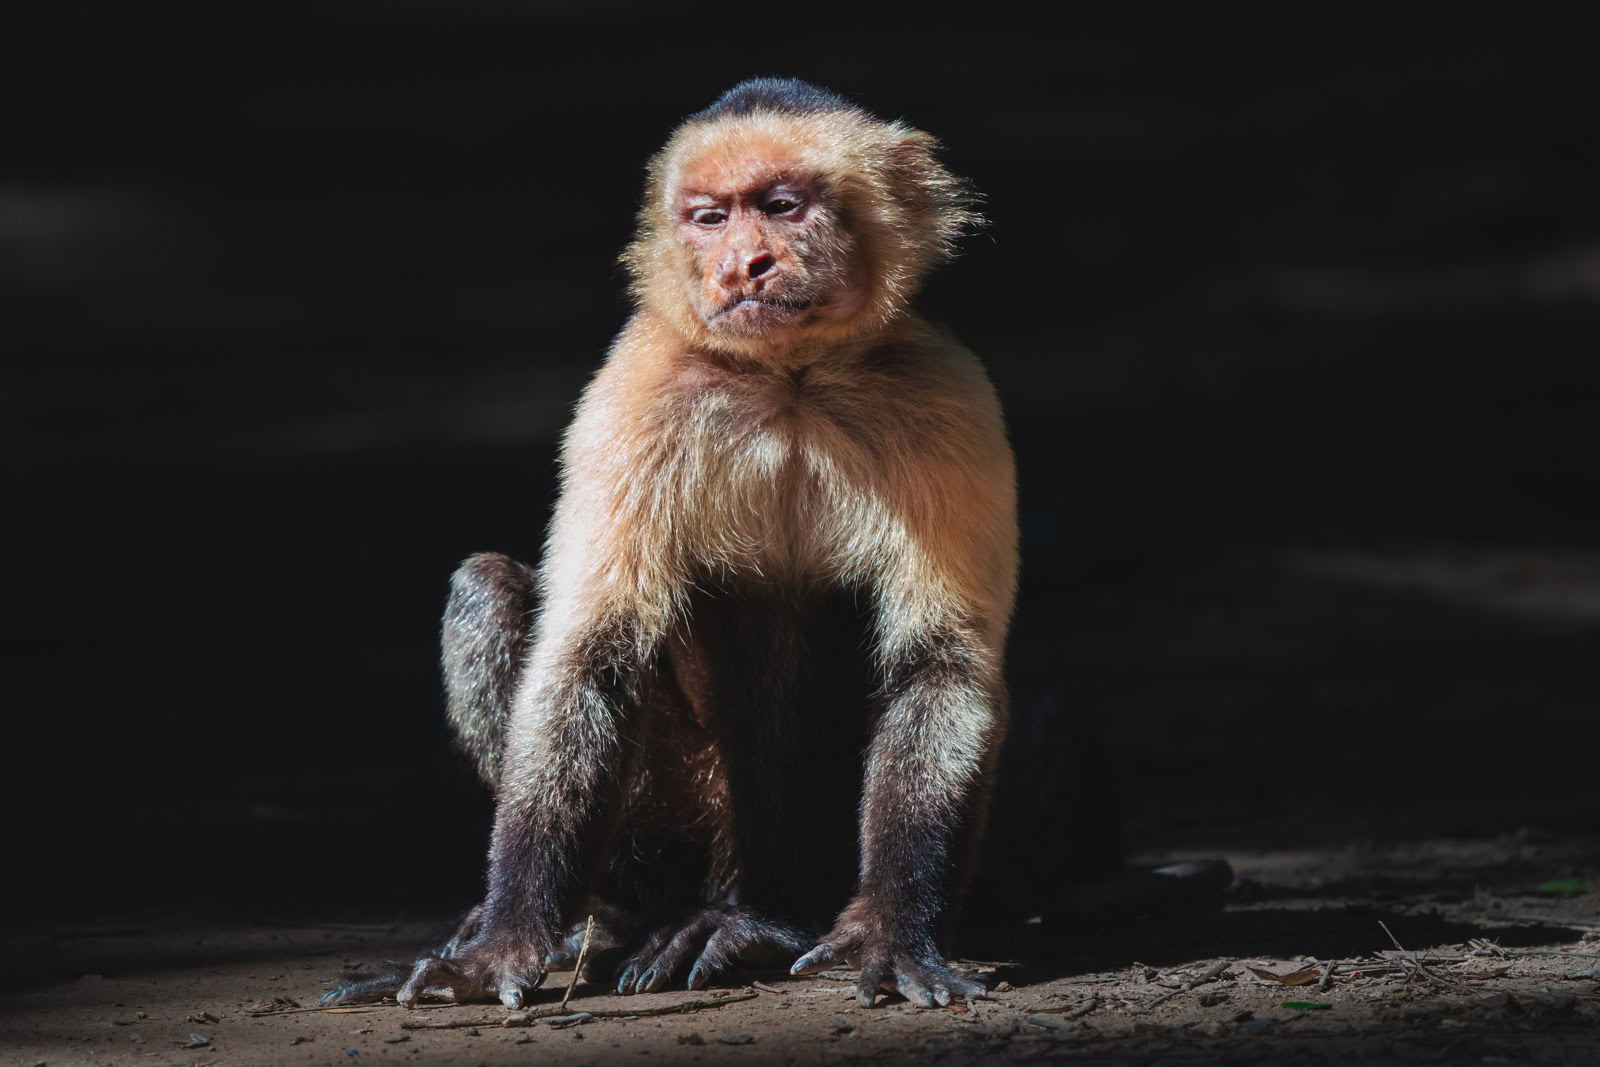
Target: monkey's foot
(716,938)
(388,979)
(921,977)
(494,965)
(474,964)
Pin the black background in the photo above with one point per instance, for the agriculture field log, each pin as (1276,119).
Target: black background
(296,300)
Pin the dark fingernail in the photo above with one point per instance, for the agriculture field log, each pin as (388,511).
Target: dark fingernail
(697,977)
(646,980)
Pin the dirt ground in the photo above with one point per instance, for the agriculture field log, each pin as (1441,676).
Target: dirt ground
(1378,765)
(1495,971)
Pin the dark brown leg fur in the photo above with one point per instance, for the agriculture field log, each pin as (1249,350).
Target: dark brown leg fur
(487,622)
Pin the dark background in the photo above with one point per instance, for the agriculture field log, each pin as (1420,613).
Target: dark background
(1293,309)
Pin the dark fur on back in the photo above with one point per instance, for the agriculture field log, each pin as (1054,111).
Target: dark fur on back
(788,96)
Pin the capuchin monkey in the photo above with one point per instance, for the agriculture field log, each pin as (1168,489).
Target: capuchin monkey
(748,708)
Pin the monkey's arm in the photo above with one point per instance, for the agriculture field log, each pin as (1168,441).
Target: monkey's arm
(557,799)
(944,590)
(926,787)
(568,740)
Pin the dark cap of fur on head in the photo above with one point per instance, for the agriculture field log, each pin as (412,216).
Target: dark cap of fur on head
(789,96)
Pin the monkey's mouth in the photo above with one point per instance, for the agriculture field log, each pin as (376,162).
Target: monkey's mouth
(776,303)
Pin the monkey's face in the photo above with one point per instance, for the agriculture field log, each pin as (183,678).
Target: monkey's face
(769,251)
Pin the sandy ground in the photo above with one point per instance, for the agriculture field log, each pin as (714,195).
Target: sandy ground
(1496,971)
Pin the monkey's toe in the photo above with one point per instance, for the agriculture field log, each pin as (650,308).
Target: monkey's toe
(366,987)
(436,978)
(926,983)
(716,938)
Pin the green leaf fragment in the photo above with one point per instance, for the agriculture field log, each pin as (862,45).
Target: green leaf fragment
(1305,1005)
(1571,886)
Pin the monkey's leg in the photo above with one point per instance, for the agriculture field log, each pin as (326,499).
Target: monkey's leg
(569,744)
(483,641)
(927,770)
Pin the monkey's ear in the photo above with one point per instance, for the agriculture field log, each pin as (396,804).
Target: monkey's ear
(937,206)
(911,166)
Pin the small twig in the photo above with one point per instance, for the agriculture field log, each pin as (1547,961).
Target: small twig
(525,1018)
(1210,974)
(1155,1003)
(765,988)
(325,1011)
(1084,1008)
(577,968)
(1422,972)
(1325,980)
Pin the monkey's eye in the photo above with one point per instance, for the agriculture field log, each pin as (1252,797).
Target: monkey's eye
(707,216)
(779,206)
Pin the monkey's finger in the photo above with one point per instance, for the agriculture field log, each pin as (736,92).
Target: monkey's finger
(681,949)
(820,958)
(867,989)
(722,948)
(433,977)
(366,987)
(916,992)
(945,983)
(518,977)
(962,985)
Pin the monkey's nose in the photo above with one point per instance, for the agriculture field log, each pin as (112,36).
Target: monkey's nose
(759,264)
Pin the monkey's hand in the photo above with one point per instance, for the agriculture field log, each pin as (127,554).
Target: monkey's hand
(496,964)
(909,966)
